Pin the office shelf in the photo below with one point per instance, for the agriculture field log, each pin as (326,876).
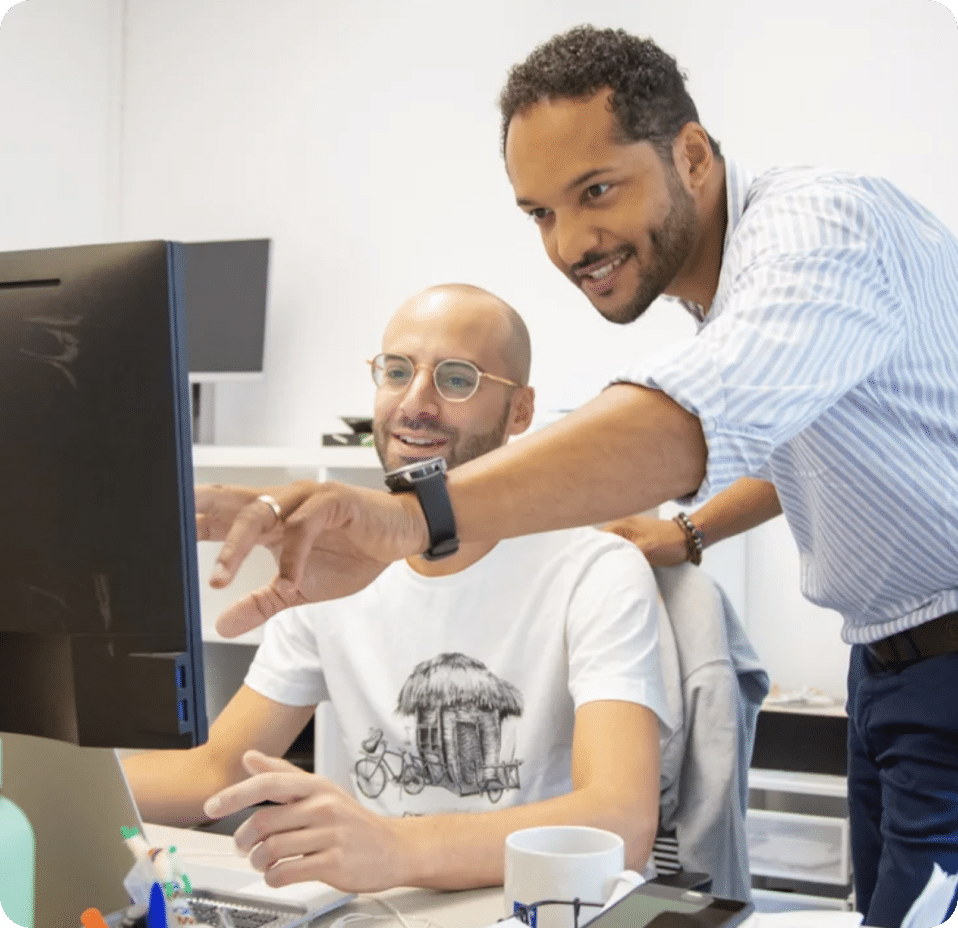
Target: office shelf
(267,457)
(811,848)
(809,784)
(798,839)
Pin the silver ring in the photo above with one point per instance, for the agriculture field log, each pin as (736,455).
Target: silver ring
(277,509)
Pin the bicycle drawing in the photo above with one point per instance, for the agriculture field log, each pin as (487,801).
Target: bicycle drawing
(382,765)
(458,708)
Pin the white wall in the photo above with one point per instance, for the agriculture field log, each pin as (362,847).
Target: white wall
(363,139)
(60,122)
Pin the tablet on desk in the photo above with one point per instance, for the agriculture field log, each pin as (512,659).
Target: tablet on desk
(658,906)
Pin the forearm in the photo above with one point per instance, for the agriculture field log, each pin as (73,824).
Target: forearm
(745,504)
(467,851)
(626,451)
(170,787)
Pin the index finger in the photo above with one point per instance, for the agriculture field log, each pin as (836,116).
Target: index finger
(272,787)
(255,522)
(216,507)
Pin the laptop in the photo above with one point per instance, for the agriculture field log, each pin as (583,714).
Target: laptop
(78,802)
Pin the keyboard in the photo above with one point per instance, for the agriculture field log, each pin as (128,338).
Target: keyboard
(206,908)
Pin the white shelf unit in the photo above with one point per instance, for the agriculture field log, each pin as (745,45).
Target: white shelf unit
(798,841)
(227,659)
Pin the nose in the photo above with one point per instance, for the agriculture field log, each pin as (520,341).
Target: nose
(420,396)
(573,237)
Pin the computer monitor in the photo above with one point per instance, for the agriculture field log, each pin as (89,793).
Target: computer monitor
(100,635)
(224,289)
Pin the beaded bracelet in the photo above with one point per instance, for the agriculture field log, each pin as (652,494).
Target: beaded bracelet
(693,538)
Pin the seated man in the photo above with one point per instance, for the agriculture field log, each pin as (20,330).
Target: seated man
(516,682)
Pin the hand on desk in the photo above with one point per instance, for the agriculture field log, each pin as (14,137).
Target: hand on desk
(318,833)
(330,540)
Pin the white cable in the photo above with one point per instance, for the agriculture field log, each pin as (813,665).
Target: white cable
(350,917)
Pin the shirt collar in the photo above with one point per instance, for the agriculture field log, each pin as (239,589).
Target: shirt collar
(737,182)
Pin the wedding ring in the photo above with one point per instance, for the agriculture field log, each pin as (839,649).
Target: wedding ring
(277,510)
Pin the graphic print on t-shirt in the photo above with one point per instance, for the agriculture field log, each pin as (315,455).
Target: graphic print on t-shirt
(458,706)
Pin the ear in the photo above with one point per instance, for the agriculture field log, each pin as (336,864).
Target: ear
(692,155)
(522,408)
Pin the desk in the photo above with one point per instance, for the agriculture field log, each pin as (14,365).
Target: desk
(476,908)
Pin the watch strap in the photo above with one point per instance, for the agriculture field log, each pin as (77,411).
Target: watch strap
(440,521)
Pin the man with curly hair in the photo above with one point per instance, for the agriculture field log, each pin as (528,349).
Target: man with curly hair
(820,382)
(826,305)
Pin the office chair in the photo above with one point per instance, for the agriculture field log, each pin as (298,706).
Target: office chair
(715,687)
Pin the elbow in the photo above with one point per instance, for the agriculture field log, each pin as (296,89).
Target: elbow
(636,820)
(639,837)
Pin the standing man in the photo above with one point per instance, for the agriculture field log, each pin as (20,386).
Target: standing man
(822,370)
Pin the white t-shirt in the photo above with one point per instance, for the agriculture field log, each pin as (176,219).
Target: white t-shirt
(457,692)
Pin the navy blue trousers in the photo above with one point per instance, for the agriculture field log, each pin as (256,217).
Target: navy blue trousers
(902,780)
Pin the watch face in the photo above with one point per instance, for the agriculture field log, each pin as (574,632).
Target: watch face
(418,470)
(403,478)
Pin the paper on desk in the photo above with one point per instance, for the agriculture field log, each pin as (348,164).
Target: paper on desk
(933,905)
(812,918)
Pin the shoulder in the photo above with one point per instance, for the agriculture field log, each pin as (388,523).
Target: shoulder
(580,550)
(810,181)
(817,201)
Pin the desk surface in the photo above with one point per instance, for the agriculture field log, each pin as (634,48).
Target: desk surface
(477,908)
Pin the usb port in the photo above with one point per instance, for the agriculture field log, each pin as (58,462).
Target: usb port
(181,677)
(181,710)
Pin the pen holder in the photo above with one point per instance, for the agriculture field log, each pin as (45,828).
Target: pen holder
(139,884)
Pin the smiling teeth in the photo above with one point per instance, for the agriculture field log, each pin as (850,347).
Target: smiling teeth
(418,441)
(606,269)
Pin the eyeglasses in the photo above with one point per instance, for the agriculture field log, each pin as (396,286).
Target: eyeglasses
(455,380)
(527,913)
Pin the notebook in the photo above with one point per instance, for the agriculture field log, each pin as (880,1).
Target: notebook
(78,801)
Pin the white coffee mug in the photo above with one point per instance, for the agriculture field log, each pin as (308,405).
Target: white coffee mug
(562,862)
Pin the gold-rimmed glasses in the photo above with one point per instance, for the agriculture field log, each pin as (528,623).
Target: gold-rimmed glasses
(455,380)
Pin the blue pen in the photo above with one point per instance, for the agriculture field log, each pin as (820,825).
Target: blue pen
(156,915)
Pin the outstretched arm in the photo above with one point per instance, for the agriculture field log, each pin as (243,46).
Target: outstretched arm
(745,504)
(625,451)
(321,833)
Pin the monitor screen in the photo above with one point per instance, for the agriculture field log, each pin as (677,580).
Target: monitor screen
(225,299)
(100,635)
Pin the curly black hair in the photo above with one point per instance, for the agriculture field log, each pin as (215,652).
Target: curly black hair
(649,99)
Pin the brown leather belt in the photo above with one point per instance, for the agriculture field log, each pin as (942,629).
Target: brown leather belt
(930,639)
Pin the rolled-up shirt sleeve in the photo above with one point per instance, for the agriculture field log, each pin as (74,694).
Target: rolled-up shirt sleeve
(803,313)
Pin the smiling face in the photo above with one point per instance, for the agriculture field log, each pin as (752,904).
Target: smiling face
(417,423)
(614,218)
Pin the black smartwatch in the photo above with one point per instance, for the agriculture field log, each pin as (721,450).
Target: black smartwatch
(428,479)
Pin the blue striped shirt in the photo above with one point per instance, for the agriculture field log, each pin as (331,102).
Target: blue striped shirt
(828,364)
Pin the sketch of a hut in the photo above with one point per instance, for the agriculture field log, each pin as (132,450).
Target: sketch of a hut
(459,706)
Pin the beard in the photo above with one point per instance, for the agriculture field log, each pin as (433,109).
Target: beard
(456,451)
(671,242)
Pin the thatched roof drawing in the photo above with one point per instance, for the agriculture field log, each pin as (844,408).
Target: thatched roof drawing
(450,680)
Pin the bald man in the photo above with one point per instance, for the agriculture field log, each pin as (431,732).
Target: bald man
(516,683)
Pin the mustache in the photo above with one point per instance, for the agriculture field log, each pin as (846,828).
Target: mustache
(424,424)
